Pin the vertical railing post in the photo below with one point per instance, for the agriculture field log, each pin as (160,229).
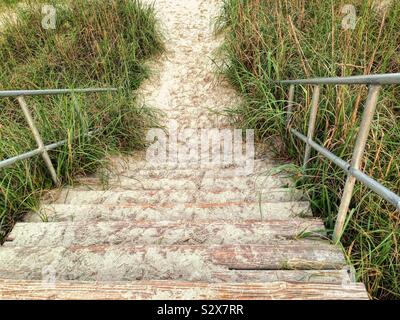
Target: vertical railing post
(38,139)
(289,107)
(358,153)
(312,123)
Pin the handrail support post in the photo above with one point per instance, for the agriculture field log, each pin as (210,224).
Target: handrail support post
(312,123)
(359,148)
(289,107)
(38,139)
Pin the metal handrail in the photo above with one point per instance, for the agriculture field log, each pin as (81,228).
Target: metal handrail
(42,149)
(48,92)
(352,169)
(377,79)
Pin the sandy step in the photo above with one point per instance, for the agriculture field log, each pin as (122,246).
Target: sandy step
(192,183)
(127,164)
(178,262)
(169,290)
(228,211)
(163,233)
(343,276)
(192,173)
(162,197)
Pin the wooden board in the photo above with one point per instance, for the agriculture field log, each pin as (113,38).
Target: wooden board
(186,262)
(263,276)
(162,290)
(227,211)
(163,233)
(164,197)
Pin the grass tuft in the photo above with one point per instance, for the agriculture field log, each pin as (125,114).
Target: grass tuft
(97,43)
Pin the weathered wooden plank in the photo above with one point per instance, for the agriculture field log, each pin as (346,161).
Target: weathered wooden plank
(191,263)
(190,183)
(162,197)
(185,173)
(163,233)
(228,211)
(163,290)
(131,167)
(312,276)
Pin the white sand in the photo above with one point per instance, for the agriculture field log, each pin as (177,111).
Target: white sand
(184,84)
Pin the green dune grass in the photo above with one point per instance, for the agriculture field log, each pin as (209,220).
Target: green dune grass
(100,43)
(273,40)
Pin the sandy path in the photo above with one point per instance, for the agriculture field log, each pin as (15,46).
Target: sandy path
(184,84)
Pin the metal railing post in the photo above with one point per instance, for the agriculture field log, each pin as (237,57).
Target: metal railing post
(311,123)
(289,107)
(38,139)
(358,153)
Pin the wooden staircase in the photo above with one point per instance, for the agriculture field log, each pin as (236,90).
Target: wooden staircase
(175,231)
(189,234)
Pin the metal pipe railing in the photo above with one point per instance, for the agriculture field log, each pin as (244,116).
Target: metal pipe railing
(312,122)
(51,92)
(10,161)
(375,186)
(377,79)
(42,149)
(353,173)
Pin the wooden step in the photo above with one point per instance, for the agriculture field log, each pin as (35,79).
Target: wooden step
(163,233)
(162,197)
(174,290)
(191,183)
(343,276)
(177,262)
(228,211)
(130,164)
(189,173)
